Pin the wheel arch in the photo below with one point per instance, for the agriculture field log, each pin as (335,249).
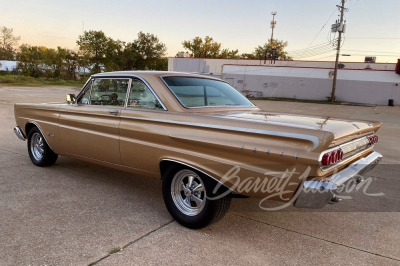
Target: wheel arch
(28,127)
(167,163)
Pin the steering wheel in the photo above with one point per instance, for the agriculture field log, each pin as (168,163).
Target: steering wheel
(111,98)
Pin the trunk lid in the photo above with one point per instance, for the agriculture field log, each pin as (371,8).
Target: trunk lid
(338,127)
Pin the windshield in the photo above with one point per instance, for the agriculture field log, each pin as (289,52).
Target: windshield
(198,92)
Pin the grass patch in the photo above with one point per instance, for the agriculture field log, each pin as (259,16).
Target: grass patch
(295,100)
(116,250)
(15,80)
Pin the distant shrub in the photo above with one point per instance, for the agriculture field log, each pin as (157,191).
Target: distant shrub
(26,80)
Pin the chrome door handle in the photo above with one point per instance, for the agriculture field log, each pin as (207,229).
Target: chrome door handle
(114,112)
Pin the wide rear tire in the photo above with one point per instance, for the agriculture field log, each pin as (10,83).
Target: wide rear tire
(190,199)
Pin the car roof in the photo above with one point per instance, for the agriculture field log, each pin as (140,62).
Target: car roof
(153,78)
(143,74)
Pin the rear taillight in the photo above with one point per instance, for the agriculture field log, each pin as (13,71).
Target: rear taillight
(332,157)
(373,140)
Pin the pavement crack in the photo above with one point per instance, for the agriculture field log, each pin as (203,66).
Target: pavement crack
(26,155)
(132,242)
(315,237)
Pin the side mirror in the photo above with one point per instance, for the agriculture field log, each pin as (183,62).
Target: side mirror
(71,98)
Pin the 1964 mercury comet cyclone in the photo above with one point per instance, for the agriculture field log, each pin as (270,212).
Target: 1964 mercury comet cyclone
(204,139)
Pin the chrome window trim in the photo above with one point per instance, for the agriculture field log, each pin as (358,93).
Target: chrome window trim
(345,160)
(121,76)
(128,92)
(198,107)
(84,90)
(152,91)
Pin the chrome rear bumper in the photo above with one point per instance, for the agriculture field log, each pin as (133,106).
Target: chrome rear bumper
(316,195)
(20,134)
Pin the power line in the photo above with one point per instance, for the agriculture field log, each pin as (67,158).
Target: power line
(334,11)
(313,51)
(316,46)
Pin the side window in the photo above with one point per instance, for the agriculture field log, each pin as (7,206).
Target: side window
(193,96)
(107,92)
(142,97)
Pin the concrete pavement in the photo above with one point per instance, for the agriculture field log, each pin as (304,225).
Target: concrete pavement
(75,213)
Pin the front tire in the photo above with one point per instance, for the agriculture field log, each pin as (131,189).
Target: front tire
(189,197)
(39,152)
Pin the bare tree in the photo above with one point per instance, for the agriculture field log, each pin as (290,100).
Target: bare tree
(7,43)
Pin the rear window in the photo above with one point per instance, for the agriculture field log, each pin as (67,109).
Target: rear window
(198,92)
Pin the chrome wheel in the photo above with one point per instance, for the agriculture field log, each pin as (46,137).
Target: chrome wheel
(37,146)
(188,193)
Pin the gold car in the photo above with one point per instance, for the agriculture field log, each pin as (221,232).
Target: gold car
(205,140)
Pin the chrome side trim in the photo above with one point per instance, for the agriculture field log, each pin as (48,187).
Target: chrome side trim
(312,139)
(44,136)
(316,195)
(20,134)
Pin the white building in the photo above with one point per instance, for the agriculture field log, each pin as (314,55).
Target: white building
(7,65)
(367,83)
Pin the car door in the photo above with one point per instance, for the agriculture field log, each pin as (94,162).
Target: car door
(142,136)
(90,128)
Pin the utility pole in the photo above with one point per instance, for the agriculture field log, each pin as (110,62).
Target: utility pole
(273,25)
(340,27)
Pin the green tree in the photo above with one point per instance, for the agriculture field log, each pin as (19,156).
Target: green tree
(202,49)
(7,43)
(94,45)
(208,48)
(131,57)
(149,51)
(52,63)
(229,54)
(39,61)
(267,49)
(114,55)
(31,60)
(83,62)
(70,63)
(161,64)
(247,56)
(146,52)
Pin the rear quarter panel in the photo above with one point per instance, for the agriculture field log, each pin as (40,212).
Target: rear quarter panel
(149,137)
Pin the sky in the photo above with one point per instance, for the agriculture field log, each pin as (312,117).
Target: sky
(373,27)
